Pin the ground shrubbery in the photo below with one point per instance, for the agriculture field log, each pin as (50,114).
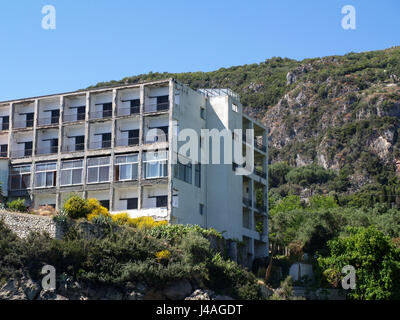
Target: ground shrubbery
(128,255)
(17,205)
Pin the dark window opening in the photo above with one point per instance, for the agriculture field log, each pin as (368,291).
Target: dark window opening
(107,110)
(79,143)
(5,123)
(28,148)
(105,204)
(135,106)
(29,120)
(132,204)
(55,116)
(81,111)
(162,103)
(4,150)
(106,140)
(162,201)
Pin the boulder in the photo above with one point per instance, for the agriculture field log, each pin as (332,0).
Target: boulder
(200,294)
(178,290)
(12,291)
(31,289)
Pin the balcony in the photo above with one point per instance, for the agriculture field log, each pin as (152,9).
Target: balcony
(130,142)
(21,153)
(128,111)
(260,146)
(23,124)
(73,147)
(96,145)
(261,208)
(48,121)
(4,126)
(100,114)
(156,107)
(260,173)
(74,117)
(247,202)
(47,150)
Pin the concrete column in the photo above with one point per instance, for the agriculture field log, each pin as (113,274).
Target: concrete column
(140,157)
(87,126)
(60,145)
(252,198)
(10,130)
(170,155)
(112,156)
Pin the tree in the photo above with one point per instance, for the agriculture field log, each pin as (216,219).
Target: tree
(375,259)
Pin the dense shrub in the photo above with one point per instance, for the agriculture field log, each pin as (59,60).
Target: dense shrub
(18,205)
(76,207)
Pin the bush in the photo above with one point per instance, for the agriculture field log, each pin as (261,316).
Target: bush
(18,205)
(96,210)
(76,207)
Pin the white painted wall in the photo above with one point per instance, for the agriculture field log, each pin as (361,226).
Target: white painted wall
(147,203)
(121,205)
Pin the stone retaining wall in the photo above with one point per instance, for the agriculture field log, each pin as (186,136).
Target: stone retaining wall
(22,224)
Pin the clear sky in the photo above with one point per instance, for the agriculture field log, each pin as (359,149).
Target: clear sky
(102,40)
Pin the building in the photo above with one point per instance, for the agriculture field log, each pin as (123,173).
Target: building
(115,144)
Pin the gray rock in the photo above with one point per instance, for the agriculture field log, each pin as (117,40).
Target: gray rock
(134,295)
(178,290)
(12,291)
(200,294)
(50,295)
(31,289)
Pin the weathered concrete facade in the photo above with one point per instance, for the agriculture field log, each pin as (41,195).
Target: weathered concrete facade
(116,144)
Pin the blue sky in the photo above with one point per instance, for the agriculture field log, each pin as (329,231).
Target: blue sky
(99,40)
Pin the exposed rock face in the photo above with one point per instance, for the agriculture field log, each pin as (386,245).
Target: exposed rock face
(178,290)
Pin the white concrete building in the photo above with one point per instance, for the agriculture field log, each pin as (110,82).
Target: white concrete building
(101,143)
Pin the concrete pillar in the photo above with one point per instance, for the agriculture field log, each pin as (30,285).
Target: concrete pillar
(60,146)
(87,126)
(170,137)
(140,157)
(10,130)
(113,137)
(252,198)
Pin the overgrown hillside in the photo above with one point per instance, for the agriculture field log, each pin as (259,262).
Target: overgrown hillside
(340,112)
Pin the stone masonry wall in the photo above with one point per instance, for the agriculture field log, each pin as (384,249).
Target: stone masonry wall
(22,224)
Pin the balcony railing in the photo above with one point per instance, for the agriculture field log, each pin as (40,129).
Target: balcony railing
(73,147)
(48,121)
(128,111)
(4,126)
(47,150)
(74,117)
(21,153)
(23,124)
(127,142)
(96,145)
(261,208)
(156,107)
(247,202)
(260,173)
(260,146)
(100,114)
(4,154)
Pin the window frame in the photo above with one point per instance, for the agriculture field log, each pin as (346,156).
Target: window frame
(20,175)
(45,172)
(126,163)
(98,166)
(162,163)
(71,169)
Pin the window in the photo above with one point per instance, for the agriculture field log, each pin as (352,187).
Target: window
(5,123)
(79,143)
(197,175)
(105,204)
(46,175)
(131,204)
(107,110)
(55,116)
(98,170)
(71,172)
(81,113)
(162,103)
(135,106)
(20,177)
(235,107)
(162,201)
(183,172)
(203,113)
(28,148)
(29,120)
(155,164)
(201,209)
(4,150)
(126,167)
(106,140)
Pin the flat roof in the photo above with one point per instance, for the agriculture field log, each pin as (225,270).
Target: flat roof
(77,92)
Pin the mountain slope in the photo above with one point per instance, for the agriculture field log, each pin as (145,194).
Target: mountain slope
(341,112)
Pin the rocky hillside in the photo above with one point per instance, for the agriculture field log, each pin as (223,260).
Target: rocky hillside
(341,112)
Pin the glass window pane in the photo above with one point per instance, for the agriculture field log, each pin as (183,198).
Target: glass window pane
(67,165)
(93,175)
(49,179)
(104,174)
(77,176)
(65,177)
(26,181)
(40,179)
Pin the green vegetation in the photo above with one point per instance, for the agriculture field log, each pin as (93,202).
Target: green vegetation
(376,261)
(127,255)
(18,205)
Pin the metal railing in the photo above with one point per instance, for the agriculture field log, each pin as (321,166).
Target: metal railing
(73,147)
(21,153)
(46,151)
(261,208)
(129,142)
(128,111)
(100,145)
(5,126)
(156,107)
(218,92)
(100,114)
(260,145)
(260,173)
(48,121)
(74,117)
(4,154)
(247,202)
(23,124)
